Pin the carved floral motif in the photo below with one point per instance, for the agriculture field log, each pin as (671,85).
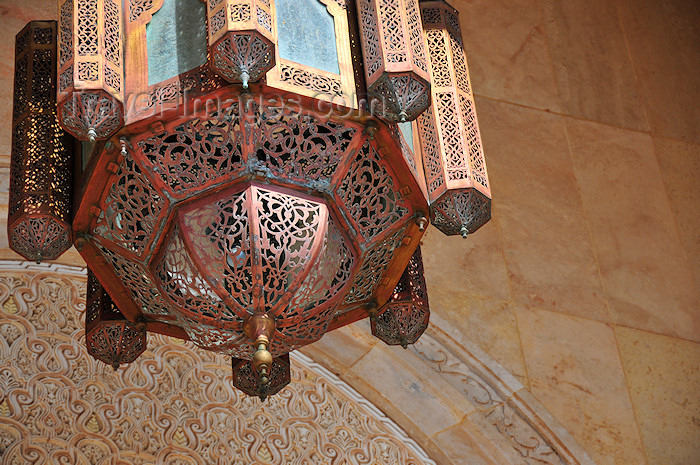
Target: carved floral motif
(176,405)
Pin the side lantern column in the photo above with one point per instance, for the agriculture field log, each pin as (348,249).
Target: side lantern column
(91,68)
(394,56)
(453,157)
(38,226)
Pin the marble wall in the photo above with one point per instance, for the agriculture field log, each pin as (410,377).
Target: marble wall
(585,285)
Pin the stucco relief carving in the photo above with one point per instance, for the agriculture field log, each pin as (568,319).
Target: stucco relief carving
(176,405)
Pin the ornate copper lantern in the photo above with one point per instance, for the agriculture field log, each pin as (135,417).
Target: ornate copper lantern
(239,192)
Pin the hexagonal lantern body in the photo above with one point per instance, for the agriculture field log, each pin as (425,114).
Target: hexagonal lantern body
(241,39)
(38,226)
(404,318)
(246,379)
(394,57)
(206,219)
(91,68)
(109,336)
(453,157)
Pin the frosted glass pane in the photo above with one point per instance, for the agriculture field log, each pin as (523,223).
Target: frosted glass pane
(307,34)
(176,39)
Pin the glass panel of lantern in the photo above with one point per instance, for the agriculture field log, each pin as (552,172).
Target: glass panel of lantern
(91,68)
(38,226)
(453,158)
(109,336)
(176,39)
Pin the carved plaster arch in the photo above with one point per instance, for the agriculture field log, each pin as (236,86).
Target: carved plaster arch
(176,404)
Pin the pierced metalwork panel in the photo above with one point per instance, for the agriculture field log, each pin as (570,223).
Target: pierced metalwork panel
(374,262)
(404,318)
(370,194)
(139,282)
(197,153)
(301,147)
(130,212)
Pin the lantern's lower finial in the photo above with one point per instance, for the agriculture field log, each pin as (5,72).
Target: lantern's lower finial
(260,327)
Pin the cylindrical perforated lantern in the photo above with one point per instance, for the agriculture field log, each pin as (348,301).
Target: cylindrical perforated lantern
(38,226)
(241,39)
(403,319)
(394,56)
(247,380)
(453,158)
(109,336)
(91,67)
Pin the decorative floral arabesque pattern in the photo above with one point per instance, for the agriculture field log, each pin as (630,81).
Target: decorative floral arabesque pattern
(131,209)
(65,33)
(322,85)
(510,423)
(88,71)
(394,33)
(399,97)
(302,148)
(240,12)
(137,279)
(113,32)
(198,152)
(247,380)
(176,404)
(88,32)
(432,163)
(44,236)
(238,52)
(96,110)
(370,194)
(139,7)
(316,293)
(370,37)
(374,263)
(217,21)
(180,280)
(288,228)
(415,33)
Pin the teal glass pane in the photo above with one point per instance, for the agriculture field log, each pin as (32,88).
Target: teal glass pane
(176,39)
(407,131)
(306,34)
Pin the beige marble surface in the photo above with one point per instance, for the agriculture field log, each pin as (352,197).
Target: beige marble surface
(574,369)
(664,42)
(537,206)
(663,376)
(592,65)
(680,170)
(507,51)
(645,274)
